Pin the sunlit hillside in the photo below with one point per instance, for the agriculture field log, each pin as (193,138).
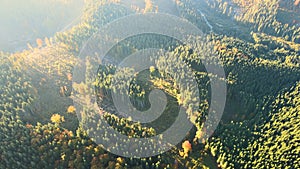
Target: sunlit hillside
(26,21)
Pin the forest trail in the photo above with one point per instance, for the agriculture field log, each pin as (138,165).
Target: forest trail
(206,21)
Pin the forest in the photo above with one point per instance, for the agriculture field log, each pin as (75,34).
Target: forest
(50,84)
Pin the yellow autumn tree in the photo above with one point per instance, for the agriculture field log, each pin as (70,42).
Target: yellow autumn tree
(57,119)
(71,109)
(148,6)
(187,147)
(39,43)
(47,41)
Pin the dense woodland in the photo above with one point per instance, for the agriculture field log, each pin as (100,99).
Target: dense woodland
(256,41)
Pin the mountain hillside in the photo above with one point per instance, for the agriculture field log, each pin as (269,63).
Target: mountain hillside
(256,42)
